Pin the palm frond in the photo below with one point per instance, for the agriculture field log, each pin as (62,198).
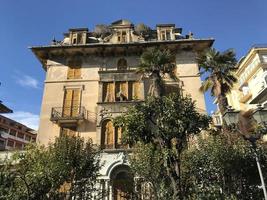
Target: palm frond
(219,65)
(207,85)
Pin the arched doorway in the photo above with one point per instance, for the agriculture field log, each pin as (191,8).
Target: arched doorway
(122,183)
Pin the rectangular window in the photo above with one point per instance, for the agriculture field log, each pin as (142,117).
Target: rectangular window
(134,90)
(69,131)
(108,92)
(18,145)
(79,38)
(10,143)
(121,91)
(74,73)
(163,36)
(2,144)
(71,104)
(5,130)
(74,38)
(20,135)
(123,36)
(168,35)
(28,138)
(12,132)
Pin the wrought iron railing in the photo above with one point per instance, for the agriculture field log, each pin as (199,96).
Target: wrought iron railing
(70,113)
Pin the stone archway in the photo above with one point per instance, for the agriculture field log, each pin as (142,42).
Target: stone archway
(122,183)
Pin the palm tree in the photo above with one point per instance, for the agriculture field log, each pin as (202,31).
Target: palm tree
(220,67)
(154,64)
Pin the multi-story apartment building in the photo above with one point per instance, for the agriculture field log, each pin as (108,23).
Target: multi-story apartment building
(4,109)
(91,79)
(251,88)
(14,135)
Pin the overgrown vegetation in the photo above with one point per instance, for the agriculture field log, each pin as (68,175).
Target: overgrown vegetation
(219,169)
(220,68)
(161,129)
(66,168)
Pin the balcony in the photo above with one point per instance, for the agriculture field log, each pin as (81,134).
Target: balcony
(117,106)
(70,116)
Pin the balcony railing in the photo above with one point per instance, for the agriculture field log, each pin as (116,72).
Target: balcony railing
(70,114)
(114,146)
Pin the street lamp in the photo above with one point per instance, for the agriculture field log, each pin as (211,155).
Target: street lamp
(260,115)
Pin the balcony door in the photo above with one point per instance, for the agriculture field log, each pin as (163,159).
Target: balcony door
(71,104)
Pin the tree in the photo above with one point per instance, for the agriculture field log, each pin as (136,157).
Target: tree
(219,169)
(146,162)
(102,30)
(220,67)
(67,167)
(167,123)
(143,30)
(154,64)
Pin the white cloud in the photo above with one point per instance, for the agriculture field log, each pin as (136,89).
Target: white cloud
(29,119)
(27,81)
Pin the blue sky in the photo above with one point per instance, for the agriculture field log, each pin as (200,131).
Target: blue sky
(234,24)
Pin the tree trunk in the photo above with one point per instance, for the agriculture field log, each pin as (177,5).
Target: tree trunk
(156,88)
(222,103)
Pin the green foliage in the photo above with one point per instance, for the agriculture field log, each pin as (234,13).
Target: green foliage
(166,118)
(154,64)
(220,67)
(42,172)
(219,169)
(147,162)
(164,124)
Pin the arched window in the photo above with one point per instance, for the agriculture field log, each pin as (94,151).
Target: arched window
(107,139)
(122,64)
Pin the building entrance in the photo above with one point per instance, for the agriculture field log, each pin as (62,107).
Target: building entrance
(123,184)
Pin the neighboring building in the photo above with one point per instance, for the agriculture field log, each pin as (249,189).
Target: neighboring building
(251,88)
(91,79)
(4,109)
(14,135)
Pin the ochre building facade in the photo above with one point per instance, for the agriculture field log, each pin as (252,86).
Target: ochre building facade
(91,78)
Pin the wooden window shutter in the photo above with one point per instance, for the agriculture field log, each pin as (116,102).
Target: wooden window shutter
(130,90)
(105,92)
(121,91)
(136,90)
(77,73)
(110,93)
(109,134)
(76,102)
(71,104)
(67,103)
(68,132)
(118,137)
(74,73)
(124,89)
(70,73)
